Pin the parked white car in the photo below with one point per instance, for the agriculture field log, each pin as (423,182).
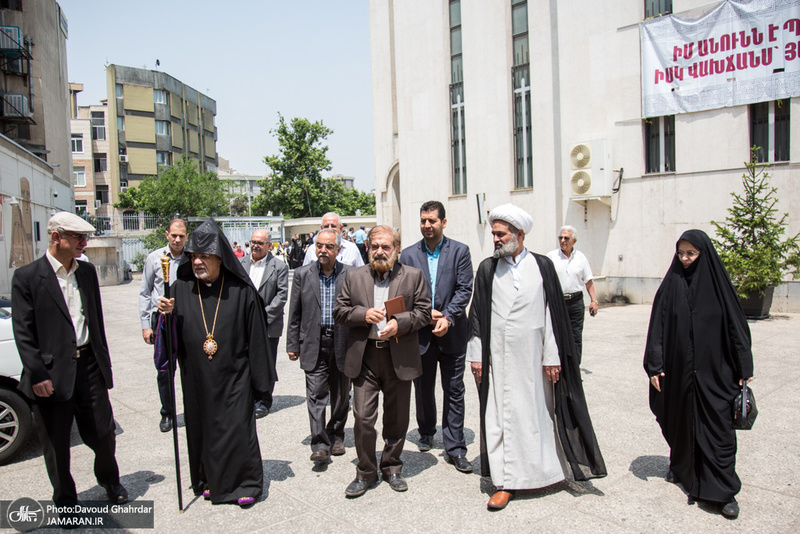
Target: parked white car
(16,422)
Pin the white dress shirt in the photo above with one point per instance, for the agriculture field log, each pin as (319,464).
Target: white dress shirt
(72,297)
(573,272)
(257,270)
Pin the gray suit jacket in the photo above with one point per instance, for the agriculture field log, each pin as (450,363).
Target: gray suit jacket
(274,291)
(305,311)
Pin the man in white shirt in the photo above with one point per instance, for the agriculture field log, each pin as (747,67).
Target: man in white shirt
(270,276)
(66,368)
(574,273)
(152,289)
(348,254)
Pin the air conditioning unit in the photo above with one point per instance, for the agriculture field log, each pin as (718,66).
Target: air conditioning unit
(123,189)
(591,174)
(15,105)
(97,204)
(123,158)
(11,40)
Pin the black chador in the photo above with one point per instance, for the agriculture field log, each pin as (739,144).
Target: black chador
(222,339)
(699,339)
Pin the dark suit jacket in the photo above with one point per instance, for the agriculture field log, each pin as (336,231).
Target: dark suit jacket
(44,332)
(305,311)
(453,291)
(357,296)
(274,290)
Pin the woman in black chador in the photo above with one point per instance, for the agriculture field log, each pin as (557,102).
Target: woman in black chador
(698,353)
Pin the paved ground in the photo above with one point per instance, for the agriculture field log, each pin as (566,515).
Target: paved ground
(299,498)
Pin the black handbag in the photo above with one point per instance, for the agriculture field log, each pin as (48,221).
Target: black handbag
(744,409)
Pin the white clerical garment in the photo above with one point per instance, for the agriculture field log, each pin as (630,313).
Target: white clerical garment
(520,434)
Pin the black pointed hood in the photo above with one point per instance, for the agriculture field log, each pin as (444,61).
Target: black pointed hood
(209,239)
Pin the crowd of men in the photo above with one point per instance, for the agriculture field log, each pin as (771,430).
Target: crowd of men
(363,316)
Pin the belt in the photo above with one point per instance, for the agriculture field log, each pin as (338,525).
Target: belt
(84,349)
(570,296)
(325,331)
(379,343)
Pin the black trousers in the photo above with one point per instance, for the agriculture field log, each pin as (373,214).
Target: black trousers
(162,378)
(452,368)
(377,375)
(91,408)
(266,396)
(577,311)
(326,382)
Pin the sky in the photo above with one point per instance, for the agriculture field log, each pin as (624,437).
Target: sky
(256,58)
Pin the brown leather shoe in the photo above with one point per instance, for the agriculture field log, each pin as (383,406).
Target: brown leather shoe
(500,500)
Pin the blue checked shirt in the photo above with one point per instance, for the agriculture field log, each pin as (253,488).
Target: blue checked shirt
(327,293)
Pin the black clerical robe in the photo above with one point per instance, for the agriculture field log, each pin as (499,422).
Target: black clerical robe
(573,424)
(218,393)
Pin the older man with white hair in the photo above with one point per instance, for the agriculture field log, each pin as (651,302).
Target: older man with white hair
(534,419)
(574,273)
(349,254)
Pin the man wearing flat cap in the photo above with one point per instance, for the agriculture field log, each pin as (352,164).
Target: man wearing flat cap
(534,419)
(222,341)
(66,368)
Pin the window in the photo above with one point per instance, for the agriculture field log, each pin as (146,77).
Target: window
(457,101)
(98,125)
(77,143)
(162,127)
(121,124)
(16,5)
(100,163)
(118,89)
(659,144)
(520,74)
(769,130)
(79,176)
(655,8)
(80,207)
(163,158)
(101,193)
(159,96)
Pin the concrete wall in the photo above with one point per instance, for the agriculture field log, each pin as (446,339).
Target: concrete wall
(585,71)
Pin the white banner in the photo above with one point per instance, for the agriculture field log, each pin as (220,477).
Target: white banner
(738,53)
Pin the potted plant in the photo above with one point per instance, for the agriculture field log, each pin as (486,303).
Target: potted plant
(751,242)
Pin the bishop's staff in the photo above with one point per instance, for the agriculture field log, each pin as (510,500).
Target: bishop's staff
(171,382)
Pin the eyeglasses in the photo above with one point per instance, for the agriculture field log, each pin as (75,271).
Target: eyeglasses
(259,243)
(564,238)
(79,237)
(691,254)
(330,226)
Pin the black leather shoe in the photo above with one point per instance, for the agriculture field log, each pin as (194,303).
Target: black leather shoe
(396,482)
(320,455)
(425,442)
(731,510)
(116,493)
(261,410)
(166,423)
(461,463)
(359,487)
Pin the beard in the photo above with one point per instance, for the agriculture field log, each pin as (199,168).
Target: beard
(381,263)
(506,250)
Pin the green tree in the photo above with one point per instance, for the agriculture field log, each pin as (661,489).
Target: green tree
(296,187)
(751,241)
(178,191)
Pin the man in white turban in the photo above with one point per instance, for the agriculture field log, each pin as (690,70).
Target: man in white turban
(524,359)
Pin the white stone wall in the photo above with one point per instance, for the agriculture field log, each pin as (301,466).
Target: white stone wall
(586,86)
